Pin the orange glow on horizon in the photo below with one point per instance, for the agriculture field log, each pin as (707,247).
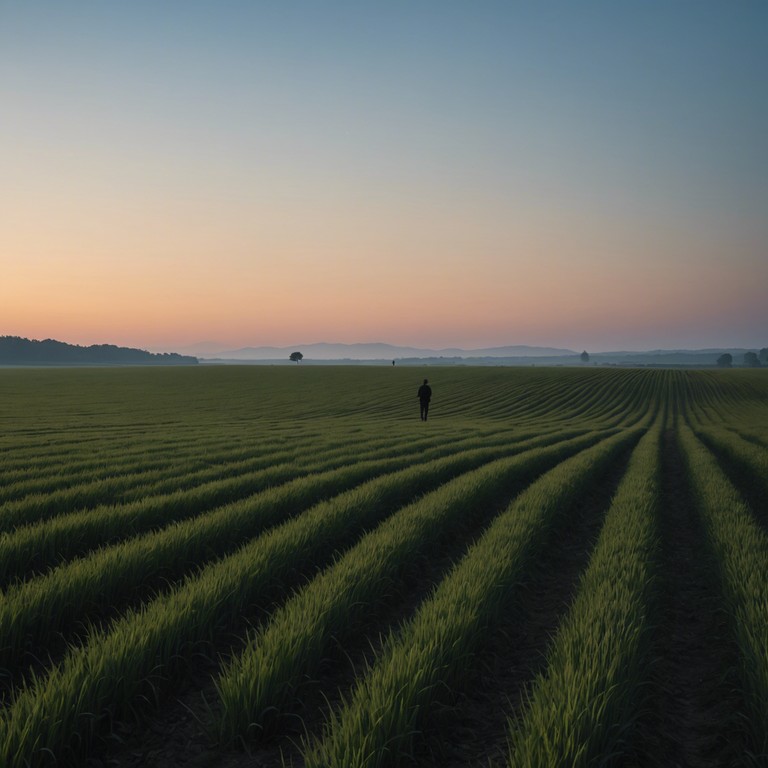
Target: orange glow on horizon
(530,287)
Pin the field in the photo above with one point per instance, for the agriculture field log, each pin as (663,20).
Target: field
(256,566)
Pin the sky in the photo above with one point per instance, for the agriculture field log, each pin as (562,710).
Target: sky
(588,175)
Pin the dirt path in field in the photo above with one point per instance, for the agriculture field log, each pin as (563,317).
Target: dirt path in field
(474,731)
(694,718)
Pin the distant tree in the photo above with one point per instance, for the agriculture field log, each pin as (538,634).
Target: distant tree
(751,360)
(296,356)
(725,360)
(763,355)
(584,356)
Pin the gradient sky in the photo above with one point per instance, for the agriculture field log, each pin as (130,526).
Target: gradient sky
(579,174)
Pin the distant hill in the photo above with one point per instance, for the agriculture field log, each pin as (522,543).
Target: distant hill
(380,351)
(696,358)
(15,350)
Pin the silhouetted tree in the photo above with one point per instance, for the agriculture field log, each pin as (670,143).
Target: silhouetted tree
(751,360)
(725,360)
(584,356)
(296,356)
(763,355)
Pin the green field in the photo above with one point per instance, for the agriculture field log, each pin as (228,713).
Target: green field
(231,566)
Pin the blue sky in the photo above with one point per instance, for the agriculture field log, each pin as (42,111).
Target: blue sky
(575,174)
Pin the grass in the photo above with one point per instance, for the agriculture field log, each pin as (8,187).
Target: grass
(143,512)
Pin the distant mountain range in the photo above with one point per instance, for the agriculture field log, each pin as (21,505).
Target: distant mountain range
(374,351)
(15,350)
(508,355)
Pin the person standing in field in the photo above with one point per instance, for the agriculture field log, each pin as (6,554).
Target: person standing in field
(424,395)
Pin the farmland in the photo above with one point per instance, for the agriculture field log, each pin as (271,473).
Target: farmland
(284,566)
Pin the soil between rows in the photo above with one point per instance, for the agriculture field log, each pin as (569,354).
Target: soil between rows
(474,731)
(177,734)
(693,711)
(694,715)
(468,733)
(752,488)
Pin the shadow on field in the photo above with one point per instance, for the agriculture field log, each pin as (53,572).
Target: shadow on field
(694,707)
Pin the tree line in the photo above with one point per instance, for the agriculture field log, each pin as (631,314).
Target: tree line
(15,350)
(751,359)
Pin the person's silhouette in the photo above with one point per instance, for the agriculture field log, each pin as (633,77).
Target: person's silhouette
(424,395)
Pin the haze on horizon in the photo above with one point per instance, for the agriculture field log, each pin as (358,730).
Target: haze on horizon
(430,174)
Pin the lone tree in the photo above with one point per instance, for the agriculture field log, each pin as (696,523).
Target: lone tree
(725,360)
(751,360)
(296,356)
(584,356)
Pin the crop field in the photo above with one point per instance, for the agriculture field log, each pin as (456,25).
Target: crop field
(284,566)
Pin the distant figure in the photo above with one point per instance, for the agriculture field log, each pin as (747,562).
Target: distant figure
(424,395)
(393,362)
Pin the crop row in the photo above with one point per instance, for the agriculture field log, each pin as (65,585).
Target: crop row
(582,705)
(389,703)
(116,665)
(236,476)
(66,473)
(588,697)
(310,539)
(740,550)
(33,548)
(35,610)
(261,683)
